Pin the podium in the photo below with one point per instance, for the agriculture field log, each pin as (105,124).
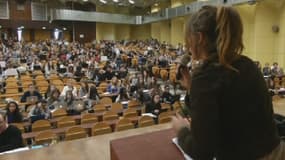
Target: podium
(151,146)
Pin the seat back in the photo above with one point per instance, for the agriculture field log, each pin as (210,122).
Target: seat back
(110,115)
(164,74)
(101,128)
(99,108)
(106,100)
(145,121)
(45,137)
(133,104)
(88,118)
(65,122)
(131,112)
(41,125)
(116,107)
(124,124)
(164,117)
(165,106)
(59,113)
(75,133)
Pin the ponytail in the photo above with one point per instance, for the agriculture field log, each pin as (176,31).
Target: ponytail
(229,31)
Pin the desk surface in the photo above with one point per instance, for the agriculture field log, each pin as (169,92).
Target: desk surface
(152,146)
(92,148)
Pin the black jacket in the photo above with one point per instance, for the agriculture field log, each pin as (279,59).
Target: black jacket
(232,115)
(28,94)
(10,139)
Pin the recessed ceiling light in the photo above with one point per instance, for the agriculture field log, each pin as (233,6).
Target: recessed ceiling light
(22,27)
(85,0)
(103,1)
(156,4)
(64,28)
(131,1)
(116,1)
(0,26)
(44,28)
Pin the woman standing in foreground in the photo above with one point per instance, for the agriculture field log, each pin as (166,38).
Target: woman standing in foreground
(231,110)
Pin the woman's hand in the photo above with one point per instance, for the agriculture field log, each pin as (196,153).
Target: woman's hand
(179,122)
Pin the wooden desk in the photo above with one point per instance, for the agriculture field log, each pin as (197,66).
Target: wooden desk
(77,118)
(10,95)
(89,126)
(91,148)
(151,146)
(3,105)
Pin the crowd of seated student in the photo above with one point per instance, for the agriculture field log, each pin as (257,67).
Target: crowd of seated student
(274,70)
(75,61)
(271,73)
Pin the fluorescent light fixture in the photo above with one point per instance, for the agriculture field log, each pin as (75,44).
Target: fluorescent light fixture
(131,1)
(103,1)
(44,27)
(116,1)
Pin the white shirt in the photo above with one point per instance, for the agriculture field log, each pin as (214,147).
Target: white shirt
(66,88)
(10,72)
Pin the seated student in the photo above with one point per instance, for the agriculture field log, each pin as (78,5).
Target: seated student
(13,113)
(38,112)
(93,96)
(167,97)
(266,70)
(51,87)
(123,95)
(113,87)
(31,92)
(109,74)
(69,87)
(83,90)
(53,99)
(10,136)
(154,106)
(70,102)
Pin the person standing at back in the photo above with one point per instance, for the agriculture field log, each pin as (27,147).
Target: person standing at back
(231,109)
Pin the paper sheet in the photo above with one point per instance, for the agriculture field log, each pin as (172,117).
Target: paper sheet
(149,114)
(175,141)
